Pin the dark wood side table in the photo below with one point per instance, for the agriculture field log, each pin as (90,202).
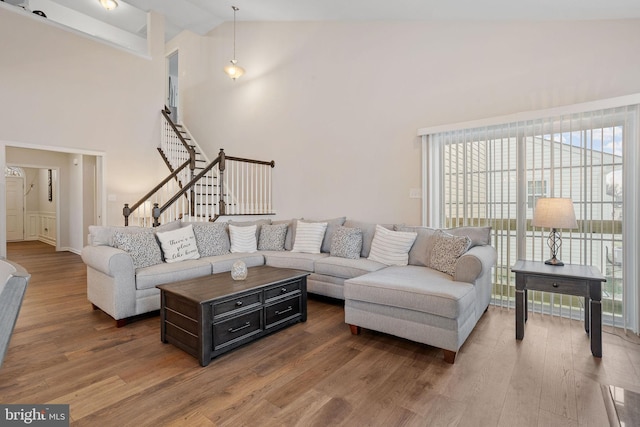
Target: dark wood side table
(570,279)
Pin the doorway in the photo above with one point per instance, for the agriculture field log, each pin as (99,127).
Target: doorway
(172,98)
(15,203)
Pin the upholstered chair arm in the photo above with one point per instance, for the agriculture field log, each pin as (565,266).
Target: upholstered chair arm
(475,262)
(108,260)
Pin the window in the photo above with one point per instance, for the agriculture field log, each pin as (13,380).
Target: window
(535,190)
(493,175)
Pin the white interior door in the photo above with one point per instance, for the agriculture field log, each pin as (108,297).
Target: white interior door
(15,208)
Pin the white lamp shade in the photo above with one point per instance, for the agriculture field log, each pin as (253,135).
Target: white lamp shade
(554,212)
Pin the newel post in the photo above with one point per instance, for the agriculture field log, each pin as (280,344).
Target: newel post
(221,168)
(126,211)
(156,215)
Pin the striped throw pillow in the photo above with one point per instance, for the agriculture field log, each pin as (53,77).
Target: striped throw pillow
(243,239)
(309,237)
(391,247)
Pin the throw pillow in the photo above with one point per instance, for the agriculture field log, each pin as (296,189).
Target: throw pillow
(243,239)
(211,238)
(272,237)
(446,250)
(179,245)
(142,247)
(391,247)
(346,243)
(309,237)
(420,253)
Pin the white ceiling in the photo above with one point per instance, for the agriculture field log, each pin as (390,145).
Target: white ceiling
(200,16)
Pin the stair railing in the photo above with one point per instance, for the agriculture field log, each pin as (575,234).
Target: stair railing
(227,186)
(175,149)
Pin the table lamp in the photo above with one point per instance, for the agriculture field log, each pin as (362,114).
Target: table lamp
(554,213)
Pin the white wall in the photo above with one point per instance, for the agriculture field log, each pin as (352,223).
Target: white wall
(337,105)
(60,89)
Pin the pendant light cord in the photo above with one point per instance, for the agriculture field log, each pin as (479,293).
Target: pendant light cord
(235,9)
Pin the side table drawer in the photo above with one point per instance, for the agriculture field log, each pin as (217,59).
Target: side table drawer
(237,328)
(282,311)
(239,303)
(575,287)
(282,289)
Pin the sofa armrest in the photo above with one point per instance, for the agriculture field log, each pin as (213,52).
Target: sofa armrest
(475,262)
(108,260)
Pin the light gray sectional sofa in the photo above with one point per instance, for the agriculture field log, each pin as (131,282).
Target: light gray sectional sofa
(390,276)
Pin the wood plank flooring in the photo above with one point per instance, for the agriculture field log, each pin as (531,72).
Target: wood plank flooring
(311,374)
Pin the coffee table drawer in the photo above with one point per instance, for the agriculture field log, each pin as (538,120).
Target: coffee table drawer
(227,307)
(282,311)
(282,289)
(566,286)
(237,328)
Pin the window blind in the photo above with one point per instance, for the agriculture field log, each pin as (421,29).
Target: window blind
(493,174)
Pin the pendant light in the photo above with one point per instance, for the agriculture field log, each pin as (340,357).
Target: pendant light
(109,4)
(233,70)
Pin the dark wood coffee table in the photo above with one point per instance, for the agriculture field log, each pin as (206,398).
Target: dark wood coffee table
(211,315)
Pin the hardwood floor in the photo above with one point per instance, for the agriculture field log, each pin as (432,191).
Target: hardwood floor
(311,374)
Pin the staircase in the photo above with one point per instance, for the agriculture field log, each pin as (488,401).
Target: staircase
(198,189)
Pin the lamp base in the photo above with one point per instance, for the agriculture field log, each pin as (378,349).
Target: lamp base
(554,261)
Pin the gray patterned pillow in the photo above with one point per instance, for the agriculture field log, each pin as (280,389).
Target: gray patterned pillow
(446,251)
(143,247)
(346,243)
(211,238)
(272,237)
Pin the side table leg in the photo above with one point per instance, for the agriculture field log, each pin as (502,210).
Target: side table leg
(520,313)
(596,328)
(587,309)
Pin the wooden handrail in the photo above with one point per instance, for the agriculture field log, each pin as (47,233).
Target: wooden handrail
(272,163)
(157,211)
(126,211)
(190,150)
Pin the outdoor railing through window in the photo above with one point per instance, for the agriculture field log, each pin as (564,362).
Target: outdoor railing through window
(493,175)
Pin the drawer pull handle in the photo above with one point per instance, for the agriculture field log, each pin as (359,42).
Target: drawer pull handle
(246,325)
(284,311)
(238,303)
(283,290)
(555,285)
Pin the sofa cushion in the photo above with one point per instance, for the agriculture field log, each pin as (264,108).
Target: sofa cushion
(212,238)
(273,237)
(295,260)
(149,277)
(103,235)
(368,231)
(346,268)
(479,235)
(446,251)
(178,245)
(222,263)
(142,247)
(420,252)
(346,243)
(243,238)
(415,288)
(309,236)
(391,247)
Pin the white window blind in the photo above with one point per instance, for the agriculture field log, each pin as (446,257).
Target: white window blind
(492,175)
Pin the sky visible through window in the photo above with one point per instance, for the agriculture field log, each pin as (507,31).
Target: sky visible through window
(607,140)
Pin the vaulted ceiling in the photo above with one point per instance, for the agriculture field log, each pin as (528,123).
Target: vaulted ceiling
(200,16)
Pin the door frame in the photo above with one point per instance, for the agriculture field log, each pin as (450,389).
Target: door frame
(24,198)
(100,196)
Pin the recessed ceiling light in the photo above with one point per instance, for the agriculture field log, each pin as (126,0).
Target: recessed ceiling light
(109,4)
